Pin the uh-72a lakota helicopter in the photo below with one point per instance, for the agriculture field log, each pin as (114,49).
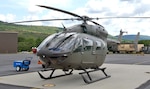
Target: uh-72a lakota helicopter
(79,47)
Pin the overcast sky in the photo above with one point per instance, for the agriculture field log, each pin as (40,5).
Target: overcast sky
(20,10)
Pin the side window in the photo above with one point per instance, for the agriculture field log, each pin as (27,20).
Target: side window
(98,45)
(79,49)
(78,45)
(88,44)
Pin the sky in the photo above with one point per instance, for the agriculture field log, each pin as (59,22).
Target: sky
(22,10)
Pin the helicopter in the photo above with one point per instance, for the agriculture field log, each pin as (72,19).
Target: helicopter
(79,47)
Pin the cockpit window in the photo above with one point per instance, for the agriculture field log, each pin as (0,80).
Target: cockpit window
(64,41)
(68,43)
(78,45)
(46,41)
(88,44)
(57,39)
(83,44)
(98,45)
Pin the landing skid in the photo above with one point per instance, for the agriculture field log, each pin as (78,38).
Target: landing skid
(51,74)
(88,81)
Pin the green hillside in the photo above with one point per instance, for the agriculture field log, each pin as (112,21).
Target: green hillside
(31,36)
(116,38)
(28,36)
(23,29)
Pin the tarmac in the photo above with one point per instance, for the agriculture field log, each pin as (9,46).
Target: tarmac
(123,76)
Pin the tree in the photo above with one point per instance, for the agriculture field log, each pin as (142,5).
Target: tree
(38,41)
(145,42)
(25,44)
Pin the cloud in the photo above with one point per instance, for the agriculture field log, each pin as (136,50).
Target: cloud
(104,8)
(131,1)
(32,8)
(91,8)
(7,17)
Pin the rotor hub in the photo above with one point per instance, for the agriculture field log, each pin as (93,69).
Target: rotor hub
(86,18)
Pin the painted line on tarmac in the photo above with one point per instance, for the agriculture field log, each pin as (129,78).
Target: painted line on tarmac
(138,63)
(35,88)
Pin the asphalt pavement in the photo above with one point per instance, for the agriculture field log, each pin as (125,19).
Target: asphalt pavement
(7,69)
(7,60)
(132,59)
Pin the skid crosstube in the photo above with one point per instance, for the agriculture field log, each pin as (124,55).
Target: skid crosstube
(51,74)
(88,81)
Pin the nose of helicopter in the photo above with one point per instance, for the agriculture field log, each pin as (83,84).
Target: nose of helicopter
(52,55)
(52,52)
(58,45)
(41,52)
(37,51)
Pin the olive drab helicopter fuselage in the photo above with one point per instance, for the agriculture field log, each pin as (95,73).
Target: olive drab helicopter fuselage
(79,47)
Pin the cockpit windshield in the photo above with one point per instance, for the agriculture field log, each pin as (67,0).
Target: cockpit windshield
(62,42)
(46,40)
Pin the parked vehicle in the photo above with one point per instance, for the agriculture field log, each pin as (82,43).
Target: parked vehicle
(22,64)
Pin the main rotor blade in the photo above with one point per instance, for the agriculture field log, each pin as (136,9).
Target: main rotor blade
(56,9)
(45,20)
(136,17)
(96,23)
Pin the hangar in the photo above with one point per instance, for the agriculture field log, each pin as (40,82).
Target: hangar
(8,42)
